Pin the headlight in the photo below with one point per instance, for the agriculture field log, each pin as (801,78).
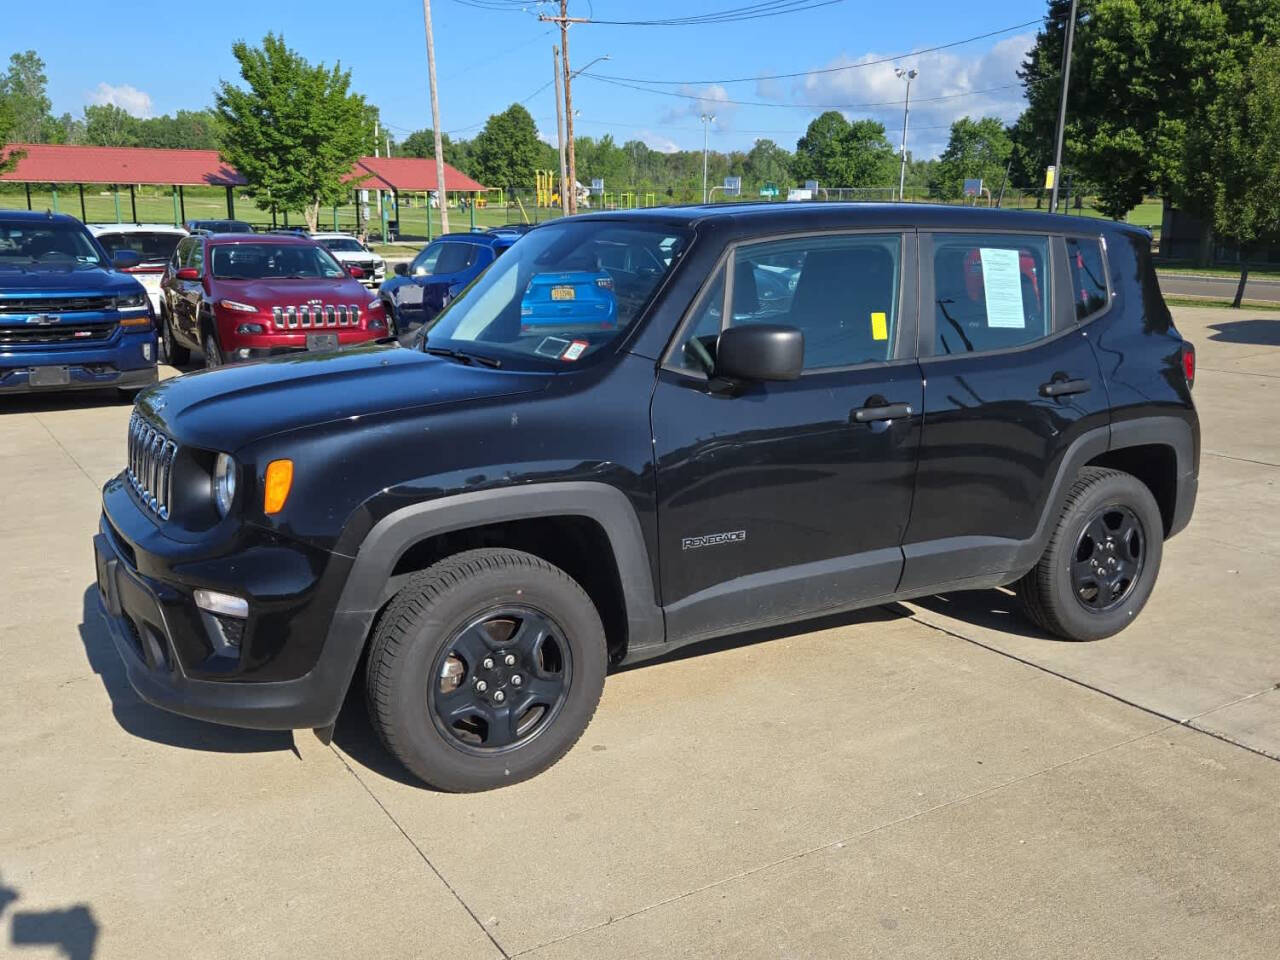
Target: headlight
(224,483)
(132,301)
(374,304)
(238,306)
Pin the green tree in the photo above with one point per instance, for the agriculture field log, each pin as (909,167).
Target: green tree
(186,129)
(294,131)
(506,150)
(106,125)
(8,158)
(766,162)
(1241,143)
(977,150)
(422,143)
(22,87)
(838,153)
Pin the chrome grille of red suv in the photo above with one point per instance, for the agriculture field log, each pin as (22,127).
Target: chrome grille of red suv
(310,316)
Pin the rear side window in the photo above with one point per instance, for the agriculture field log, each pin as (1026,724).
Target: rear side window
(1088,276)
(991,291)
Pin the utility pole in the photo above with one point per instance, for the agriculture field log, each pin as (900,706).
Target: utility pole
(707,119)
(442,195)
(1062,108)
(564,170)
(564,20)
(907,75)
(377,139)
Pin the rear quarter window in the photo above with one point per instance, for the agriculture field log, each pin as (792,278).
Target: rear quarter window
(1088,276)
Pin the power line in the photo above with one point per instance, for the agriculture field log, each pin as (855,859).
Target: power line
(755,11)
(824,70)
(792,106)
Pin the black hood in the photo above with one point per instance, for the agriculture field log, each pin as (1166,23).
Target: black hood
(227,408)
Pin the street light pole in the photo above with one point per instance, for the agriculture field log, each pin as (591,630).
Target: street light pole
(1062,109)
(707,120)
(907,75)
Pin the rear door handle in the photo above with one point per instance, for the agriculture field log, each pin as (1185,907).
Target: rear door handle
(890,411)
(1063,388)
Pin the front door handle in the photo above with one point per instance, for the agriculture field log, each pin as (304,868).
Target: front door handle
(890,411)
(1063,388)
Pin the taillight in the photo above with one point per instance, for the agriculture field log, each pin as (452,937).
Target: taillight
(1189,363)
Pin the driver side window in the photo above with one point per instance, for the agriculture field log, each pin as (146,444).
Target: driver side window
(697,351)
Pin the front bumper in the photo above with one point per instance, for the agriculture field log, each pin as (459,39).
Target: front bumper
(296,654)
(80,376)
(126,360)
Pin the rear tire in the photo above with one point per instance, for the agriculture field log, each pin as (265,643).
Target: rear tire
(441,692)
(1102,560)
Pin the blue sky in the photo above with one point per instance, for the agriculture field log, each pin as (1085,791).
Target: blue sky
(157,57)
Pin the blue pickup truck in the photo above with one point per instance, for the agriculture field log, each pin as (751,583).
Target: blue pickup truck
(69,319)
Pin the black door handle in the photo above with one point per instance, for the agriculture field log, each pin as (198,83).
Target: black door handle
(890,411)
(1063,388)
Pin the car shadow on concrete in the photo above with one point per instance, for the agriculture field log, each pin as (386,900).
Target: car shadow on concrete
(70,933)
(355,736)
(997,609)
(151,723)
(55,401)
(1259,332)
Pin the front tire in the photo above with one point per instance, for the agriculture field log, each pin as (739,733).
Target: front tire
(171,352)
(1102,560)
(212,352)
(485,669)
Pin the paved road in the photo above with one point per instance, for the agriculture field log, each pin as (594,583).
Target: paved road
(922,780)
(1218,288)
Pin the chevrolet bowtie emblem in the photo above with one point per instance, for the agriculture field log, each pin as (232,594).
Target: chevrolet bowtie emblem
(43,319)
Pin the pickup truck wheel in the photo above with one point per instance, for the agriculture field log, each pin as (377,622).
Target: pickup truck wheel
(1102,559)
(485,669)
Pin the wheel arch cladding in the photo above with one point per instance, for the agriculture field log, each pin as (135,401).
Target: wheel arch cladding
(562,522)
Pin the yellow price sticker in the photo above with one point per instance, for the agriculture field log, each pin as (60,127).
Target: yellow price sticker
(879,327)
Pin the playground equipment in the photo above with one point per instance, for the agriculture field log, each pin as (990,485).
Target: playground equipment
(546,188)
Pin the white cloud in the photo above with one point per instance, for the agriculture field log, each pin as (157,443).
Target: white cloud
(711,99)
(656,141)
(126,97)
(943,74)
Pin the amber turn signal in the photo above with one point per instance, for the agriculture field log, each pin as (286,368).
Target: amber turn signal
(141,320)
(276,489)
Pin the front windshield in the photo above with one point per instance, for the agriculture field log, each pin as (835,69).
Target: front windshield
(563,292)
(46,244)
(277,261)
(343,244)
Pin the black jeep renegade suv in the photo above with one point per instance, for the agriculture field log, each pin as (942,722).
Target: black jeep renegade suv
(640,430)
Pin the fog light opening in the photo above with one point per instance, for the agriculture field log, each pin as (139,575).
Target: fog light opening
(243,353)
(222,603)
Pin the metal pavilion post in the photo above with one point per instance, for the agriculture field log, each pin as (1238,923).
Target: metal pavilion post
(115,195)
(84,217)
(176,219)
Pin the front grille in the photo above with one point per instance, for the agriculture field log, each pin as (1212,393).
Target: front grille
(56,304)
(311,316)
(56,333)
(151,456)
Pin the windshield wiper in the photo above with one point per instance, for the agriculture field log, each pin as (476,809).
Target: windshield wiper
(467,358)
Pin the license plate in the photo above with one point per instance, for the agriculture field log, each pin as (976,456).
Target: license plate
(49,376)
(563,293)
(410,293)
(322,341)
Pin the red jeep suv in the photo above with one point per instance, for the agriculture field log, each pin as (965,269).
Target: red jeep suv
(238,296)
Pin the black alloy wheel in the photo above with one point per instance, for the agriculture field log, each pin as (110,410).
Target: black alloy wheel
(1108,558)
(501,680)
(212,353)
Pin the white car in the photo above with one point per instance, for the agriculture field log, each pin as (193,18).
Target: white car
(153,242)
(350,252)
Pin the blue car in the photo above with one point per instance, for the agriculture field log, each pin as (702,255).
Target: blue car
(421,289)
(69,318)
(576,301)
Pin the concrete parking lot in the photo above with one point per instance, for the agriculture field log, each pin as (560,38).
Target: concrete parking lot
(925,780)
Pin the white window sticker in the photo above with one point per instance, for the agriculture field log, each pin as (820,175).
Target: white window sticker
(574,350)
(1002,286)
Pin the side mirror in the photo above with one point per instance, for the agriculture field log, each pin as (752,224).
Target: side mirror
(188,273)
(760,351)
(125,259)
(355,272)
(402,269)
